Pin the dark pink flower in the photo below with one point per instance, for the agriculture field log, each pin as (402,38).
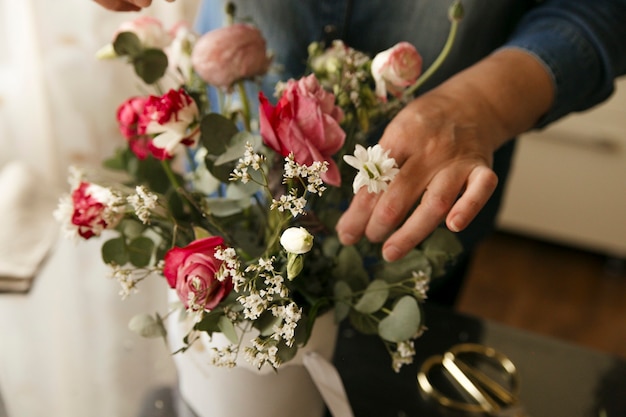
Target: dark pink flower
(192,271)
(229,54)
(305,121)
(128,116)
(94,209)
(172,119)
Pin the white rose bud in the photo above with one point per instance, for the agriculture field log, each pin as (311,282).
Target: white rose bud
(297,240)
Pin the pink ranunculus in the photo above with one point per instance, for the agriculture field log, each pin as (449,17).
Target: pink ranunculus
(395,69)
(95,209)
(149,30)
(305,121)
(229,54)
(173,120)
(128,116)
(192,271)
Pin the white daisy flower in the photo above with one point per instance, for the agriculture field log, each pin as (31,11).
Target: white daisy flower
(376,168)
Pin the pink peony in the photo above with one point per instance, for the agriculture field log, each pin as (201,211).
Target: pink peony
(305,121)
(149,30)
(94,209)
(395,69)
(229,54)
(192,271)
(173,120)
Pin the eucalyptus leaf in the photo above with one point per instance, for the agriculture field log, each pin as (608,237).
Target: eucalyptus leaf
(265,323)
(147,326)
(224,207)
(150,65)
(441,248)
(235,147)
(228,329)
(286,353)
(403,322)
(114,252)
(396,271)
(374,297)
(127,43)
(216,132)
(343,300)
(363,323)
(140,251)
(349,266)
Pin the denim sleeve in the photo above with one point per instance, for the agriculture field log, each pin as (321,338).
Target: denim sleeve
(582,43)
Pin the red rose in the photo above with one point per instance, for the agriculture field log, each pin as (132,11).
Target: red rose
(229,54)
(94,209)
(192,272)
(305,121)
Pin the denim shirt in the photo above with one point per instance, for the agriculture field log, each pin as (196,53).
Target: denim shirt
(582,44)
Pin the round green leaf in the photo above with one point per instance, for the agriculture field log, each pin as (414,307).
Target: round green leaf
(127,43)
(114,252)
(374,297)
(140,251)
(228,329)
(403,322)
(343,296)
(150,65)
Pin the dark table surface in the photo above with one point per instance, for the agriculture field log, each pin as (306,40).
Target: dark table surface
(557,379)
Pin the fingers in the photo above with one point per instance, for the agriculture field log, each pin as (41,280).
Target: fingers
(124,5)
(436,202)
(351,225)
(481,184)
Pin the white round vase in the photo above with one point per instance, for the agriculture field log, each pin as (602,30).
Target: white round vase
(244,391)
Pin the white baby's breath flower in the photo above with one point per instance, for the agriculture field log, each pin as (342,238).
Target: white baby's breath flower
(376,168)
(403,355)
(143,203)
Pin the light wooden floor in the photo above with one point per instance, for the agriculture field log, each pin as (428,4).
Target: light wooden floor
(548,289)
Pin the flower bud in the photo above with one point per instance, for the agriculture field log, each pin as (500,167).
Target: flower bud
(456,12)
(395,69)
(297,240)
(295,263)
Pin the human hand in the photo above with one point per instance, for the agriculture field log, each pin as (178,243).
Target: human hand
(443,142)
(125,5)
(442,155)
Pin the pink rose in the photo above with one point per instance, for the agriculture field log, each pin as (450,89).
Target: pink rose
(305,121)
(192,271)
(128,116)
(149,30)
(395,69)
(229,54)
(95,209)
(173,118)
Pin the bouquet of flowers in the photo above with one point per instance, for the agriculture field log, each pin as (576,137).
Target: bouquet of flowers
(234,206)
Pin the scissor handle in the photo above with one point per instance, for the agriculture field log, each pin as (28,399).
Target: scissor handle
(483,389)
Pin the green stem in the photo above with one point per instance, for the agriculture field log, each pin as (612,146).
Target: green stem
(437,63)
(170,175)
(246,105)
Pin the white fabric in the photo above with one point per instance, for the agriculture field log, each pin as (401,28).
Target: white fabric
(27,228)
(328,381)
(65,349)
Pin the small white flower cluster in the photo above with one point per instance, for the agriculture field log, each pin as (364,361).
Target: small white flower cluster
(422,281)
(261,352)
(231,267)
(128,278)
(289,314)
(250,159)
(143,202)
(257,301)
(224,356)
(311,176)
(403,355)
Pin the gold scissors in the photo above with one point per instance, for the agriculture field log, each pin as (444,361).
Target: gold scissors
(484,381)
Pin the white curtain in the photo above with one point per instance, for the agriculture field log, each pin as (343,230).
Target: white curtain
(65,349)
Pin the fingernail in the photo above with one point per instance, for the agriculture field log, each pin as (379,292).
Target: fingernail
(391,253)
(453,224)
(346,238)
